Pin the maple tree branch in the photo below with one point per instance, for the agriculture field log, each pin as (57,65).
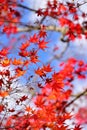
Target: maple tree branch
(25,7)
(76,98)
(47,28)
(58,56)
(22,6)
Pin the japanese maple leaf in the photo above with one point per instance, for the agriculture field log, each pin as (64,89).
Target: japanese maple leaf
(11,110)
(34,39)
(47,68)
(78,127)
(39,12)
(24,45)
(33,56)
(1,107)
(64,21)
(23,98)
(62,7)
(40,72)
(4,93)
(62,127)
(39,101)
(34,59)
(19,71)
(26,63)
(42,44)
(17,62)
(5,62)
(4,52)
(28,109)
(81,116)
(24,53)
(42,34)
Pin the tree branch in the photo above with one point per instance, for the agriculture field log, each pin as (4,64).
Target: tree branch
(76,98)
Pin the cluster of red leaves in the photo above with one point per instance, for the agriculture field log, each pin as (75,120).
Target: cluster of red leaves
(51,101)
(9,16)
(63,13)
(81,116)
(26,53)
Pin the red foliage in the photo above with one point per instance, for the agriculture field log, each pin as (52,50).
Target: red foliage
(54,87)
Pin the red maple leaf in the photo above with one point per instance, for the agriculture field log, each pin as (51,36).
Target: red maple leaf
(40,72)
(24,53)
(42,34)
(47,68)
(1,108)
(78,127)
(4,52)
(24,45)
(34,39)
(23,98)
(42,44)
(39,12)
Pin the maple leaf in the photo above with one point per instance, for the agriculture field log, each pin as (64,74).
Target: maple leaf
(40,72)
(7,73)
(19,72)
(28,109)
(11,110)
(52,95)
(67,94)
(34,39)
(34,59)
(62,7)
(39,12)
(78,127)
(4,93)
(26,63)
(62,127)
(17,62)
(23,98)
(1,82)
(1,108)
(24,53)
(4,52)
(33,56)
(24,45)
(42,34)
(5,62)
(42,44)
(39,101)
(81,116)
(47,68)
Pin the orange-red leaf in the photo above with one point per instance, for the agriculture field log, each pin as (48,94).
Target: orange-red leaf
(1,108)
(20,72)
(28,109)
(42,44)
(34,39)
(17,62)
(24,45)
(4,93)
(4,52)
(47,68)
(5,62)
(24,53)
(40,72)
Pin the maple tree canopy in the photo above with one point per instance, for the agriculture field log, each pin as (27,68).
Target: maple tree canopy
(35,92)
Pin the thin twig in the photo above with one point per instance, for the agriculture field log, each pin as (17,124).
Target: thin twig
(76,98)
